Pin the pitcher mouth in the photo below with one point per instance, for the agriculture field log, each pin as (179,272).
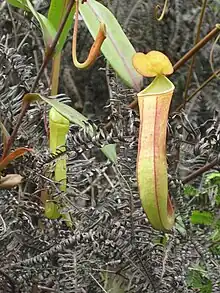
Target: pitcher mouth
(161,84)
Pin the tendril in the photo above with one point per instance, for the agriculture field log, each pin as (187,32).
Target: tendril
(95,49)
(158,7)
(211,56)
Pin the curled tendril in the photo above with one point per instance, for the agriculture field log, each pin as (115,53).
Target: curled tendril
(95,49)
(157,8)
(211,56)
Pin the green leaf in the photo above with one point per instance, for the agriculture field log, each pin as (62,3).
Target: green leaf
(51,210)
(198,279)
(216,236)
(55,15)
(19,4)
(47,28)
(68,112)
(109,150)
(73,116)
(204,218)
(213,177)
(117,49)
(190,190)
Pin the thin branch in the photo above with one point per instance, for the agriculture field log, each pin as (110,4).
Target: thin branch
(51,49)
(47,58)
(103,289)
(189,75)
(200,171)
(197,47)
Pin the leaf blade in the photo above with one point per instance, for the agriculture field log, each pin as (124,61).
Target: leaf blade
(18,4)
(55,15)
(204,217)
(114,46)
(47,28)
(109,150)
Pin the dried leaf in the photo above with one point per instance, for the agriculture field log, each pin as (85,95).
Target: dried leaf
(10,181)
(12,156)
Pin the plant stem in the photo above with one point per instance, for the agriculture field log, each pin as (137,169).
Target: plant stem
(47,58)
(189,75)
(55,74)
(11,139)
(189,54)
(200,171)
(51,49)
(59,126)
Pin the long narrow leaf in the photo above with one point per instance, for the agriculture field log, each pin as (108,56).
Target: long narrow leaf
(59,127)
(5,135)
(47,28)
(117,48)
(55,15)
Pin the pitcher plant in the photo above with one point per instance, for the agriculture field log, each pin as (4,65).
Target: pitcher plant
(154,102)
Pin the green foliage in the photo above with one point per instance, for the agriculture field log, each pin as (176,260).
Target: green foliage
(216,235)
(213,178)
(190,190)
(19,4)
(213,182)
(162,240)
(198,280)
(197,277)
(50,25)
(198,217)
(51,210)
(109,151)
(208,194)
